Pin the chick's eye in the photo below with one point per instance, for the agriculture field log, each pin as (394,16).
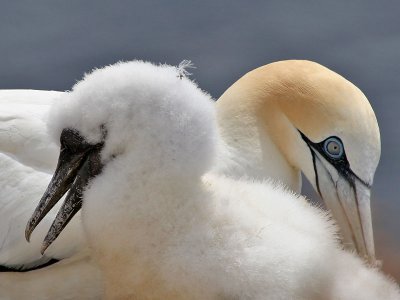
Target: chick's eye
(333,147)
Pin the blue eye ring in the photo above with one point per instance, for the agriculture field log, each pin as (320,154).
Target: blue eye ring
(333,147)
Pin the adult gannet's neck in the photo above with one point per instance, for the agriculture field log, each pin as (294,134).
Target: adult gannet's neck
(250,124)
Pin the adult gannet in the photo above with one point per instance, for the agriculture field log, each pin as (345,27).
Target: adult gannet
(294,116)
(23,134)
(27,160)
(259,141)
(160,226)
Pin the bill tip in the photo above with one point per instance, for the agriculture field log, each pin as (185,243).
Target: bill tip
(45,245)
(28,232)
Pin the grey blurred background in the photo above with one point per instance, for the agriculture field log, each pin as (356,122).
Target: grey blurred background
(50,44)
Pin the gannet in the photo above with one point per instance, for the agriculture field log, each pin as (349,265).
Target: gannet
(229,166)
(161,224)
(297,116)
(252,145)
(23,134)
(27,159)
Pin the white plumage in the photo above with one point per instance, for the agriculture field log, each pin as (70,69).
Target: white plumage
(190,237)
(23,133)
(254,143)
(160,227)
(293,117)
(27,160)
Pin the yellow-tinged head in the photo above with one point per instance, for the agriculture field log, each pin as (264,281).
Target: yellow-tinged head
(324,126)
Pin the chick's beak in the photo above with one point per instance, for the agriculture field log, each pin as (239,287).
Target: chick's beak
(74,171)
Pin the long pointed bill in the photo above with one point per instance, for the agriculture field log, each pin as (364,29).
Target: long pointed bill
(78,162)
(73,202)
(67,168)
(349,203)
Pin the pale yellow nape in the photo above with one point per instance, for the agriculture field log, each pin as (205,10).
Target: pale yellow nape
(284,97)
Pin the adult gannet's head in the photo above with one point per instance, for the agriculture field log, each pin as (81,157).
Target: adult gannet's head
(124,119)
(324,126)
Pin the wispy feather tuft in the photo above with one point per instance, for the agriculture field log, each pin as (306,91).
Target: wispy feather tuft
(183,66)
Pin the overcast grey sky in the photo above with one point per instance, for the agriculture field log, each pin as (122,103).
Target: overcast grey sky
(50,44)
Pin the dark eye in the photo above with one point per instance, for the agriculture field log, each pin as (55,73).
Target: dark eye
(72,141)
(333,147)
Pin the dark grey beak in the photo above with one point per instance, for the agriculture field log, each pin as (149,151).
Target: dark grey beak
(78,162)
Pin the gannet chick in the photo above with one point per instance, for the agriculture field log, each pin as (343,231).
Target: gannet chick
(137,142)
(295,116)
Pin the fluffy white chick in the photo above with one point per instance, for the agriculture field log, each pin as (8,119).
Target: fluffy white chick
(160,227)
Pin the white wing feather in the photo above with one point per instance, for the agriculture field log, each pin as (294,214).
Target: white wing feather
(27,159)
